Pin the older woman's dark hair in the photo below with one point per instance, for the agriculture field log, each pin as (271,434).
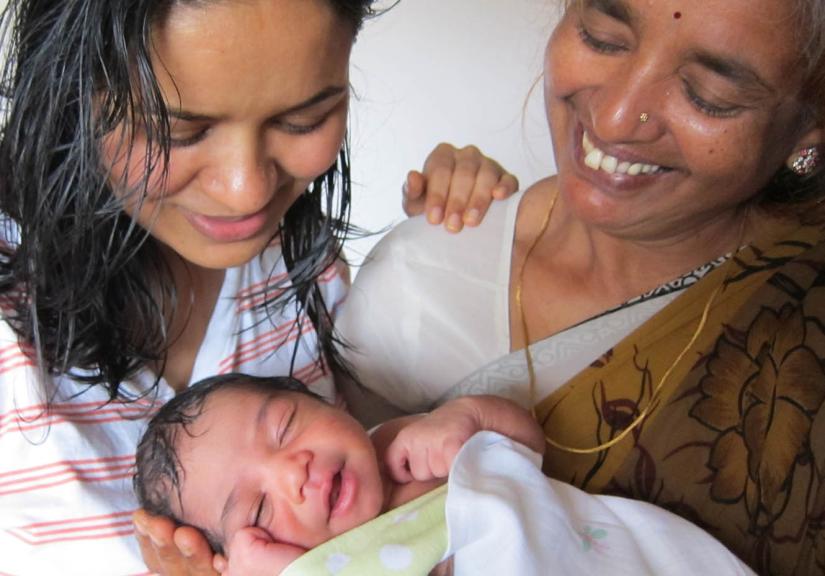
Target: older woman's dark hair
(82,283)
(158,472)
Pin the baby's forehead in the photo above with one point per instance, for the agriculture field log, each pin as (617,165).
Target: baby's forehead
(254,391)
(234,397)
(236,406)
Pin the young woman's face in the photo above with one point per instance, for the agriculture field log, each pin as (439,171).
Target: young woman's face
(257,92)
(690,108)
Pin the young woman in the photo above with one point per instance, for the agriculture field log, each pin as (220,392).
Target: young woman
(174,184)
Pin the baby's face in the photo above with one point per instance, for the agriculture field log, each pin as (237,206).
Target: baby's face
(294,466)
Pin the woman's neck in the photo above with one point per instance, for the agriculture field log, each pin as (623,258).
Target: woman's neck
(630,262)
(577,269)
(197,291)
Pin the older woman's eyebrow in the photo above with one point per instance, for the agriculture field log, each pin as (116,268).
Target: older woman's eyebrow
(617,9)
(732,69)
(314,100)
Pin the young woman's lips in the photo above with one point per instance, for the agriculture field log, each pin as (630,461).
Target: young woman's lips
(233,229)
(342,496)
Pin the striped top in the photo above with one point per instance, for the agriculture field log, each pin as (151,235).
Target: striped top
(65,473)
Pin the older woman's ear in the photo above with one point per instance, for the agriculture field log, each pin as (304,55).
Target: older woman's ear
(807,155)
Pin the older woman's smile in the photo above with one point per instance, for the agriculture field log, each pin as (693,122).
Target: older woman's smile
(597,159)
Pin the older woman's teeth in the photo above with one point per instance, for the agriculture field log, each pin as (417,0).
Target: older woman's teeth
(595,159)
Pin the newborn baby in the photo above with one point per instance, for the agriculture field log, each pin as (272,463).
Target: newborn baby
(267,470)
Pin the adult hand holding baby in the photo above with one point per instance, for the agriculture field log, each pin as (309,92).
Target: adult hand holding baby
(172,550)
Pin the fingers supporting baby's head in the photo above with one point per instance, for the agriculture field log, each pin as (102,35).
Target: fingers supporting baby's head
(160,474)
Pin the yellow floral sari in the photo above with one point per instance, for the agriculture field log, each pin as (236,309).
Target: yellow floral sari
(736,441)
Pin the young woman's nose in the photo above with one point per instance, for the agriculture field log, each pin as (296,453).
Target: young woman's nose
(241,176)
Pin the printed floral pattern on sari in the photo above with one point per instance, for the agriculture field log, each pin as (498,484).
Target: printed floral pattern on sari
(761,392)
(736,441)
(781,386)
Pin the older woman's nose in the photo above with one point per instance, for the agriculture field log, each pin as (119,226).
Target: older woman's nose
(625,109)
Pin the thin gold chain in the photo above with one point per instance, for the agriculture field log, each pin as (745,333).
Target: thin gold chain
(531,373)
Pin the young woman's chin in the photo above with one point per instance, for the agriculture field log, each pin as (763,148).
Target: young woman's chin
(214,256)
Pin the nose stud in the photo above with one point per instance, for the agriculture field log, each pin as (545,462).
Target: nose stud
(644,117)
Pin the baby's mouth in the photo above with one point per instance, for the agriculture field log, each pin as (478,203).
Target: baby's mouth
(335,491)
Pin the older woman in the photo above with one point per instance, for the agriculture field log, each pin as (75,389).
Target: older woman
(660,301)
(174,189)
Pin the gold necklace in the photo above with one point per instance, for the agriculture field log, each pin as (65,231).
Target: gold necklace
(531,373)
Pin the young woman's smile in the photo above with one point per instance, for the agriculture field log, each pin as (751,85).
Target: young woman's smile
(228,229)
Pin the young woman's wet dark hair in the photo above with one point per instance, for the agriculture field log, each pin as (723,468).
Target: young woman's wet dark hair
(82,283)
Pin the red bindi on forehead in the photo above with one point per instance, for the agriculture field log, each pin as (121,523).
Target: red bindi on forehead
(677,15)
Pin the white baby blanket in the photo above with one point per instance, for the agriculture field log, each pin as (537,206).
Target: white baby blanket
(503,516)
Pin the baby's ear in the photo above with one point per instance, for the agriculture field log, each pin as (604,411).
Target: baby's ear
(253,552)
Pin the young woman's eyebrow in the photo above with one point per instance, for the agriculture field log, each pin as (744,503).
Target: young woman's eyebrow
(323,95)
(617,9)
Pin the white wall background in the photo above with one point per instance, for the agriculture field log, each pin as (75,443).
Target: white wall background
(459,71)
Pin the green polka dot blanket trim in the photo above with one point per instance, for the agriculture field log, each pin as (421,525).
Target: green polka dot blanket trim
(407,541)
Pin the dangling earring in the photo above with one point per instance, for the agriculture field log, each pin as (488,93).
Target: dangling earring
(805,161)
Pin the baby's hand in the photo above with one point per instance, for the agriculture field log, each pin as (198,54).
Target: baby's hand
(456,186)
(253,552)
(425,449)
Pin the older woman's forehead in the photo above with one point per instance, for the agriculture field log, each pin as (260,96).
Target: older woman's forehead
(763,35)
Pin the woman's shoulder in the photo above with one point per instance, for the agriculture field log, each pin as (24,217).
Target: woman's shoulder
(533,208)
(419,295)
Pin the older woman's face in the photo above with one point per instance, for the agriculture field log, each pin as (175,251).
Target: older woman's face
(258,93)
(666,114)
